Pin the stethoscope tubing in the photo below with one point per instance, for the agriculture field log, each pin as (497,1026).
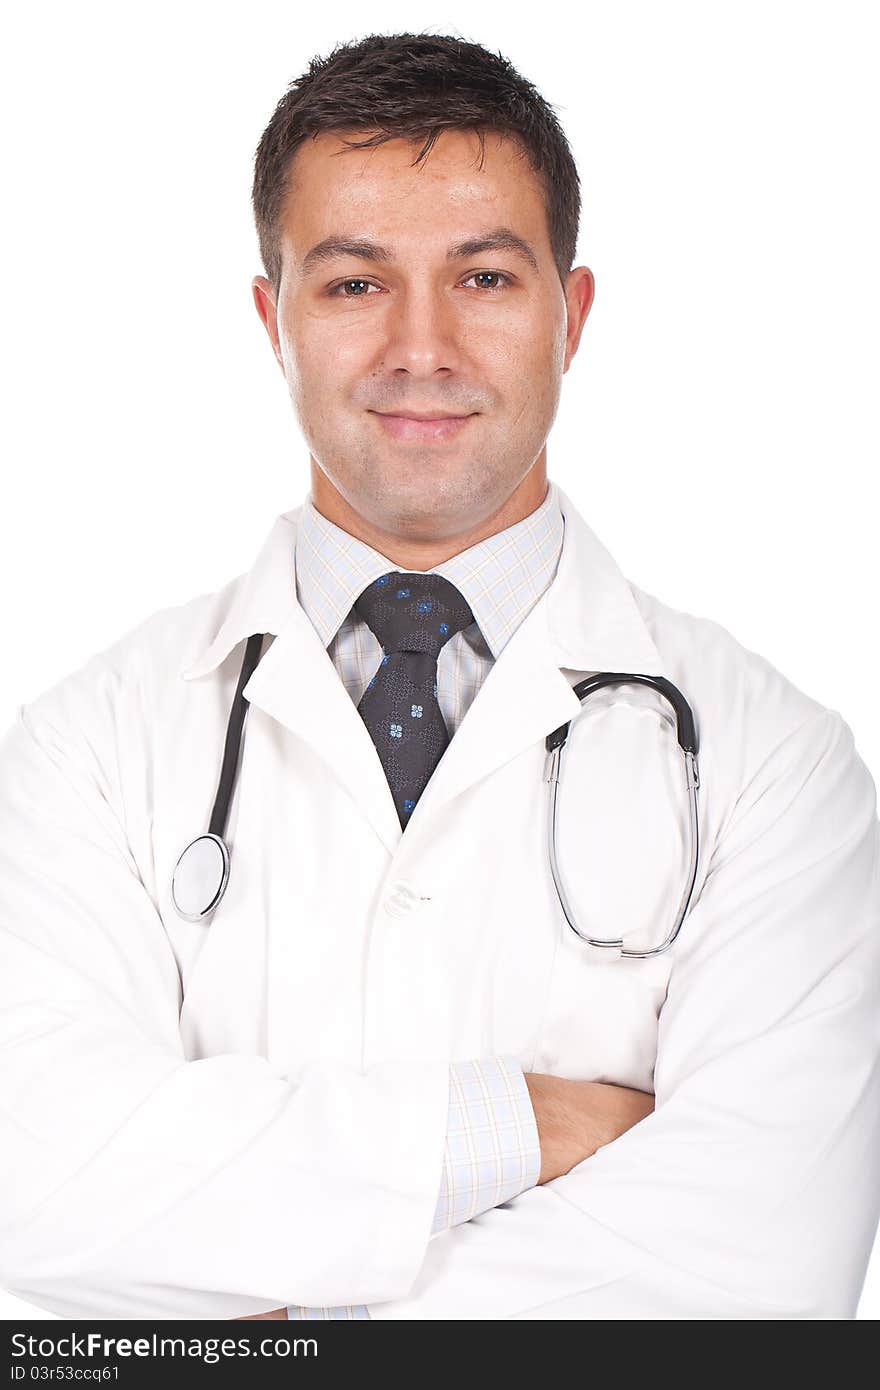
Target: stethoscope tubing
(234,731)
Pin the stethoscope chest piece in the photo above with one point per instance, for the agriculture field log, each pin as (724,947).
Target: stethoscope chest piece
(202,871)
(200,876)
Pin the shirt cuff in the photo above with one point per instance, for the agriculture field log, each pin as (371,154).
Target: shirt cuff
(492,1147)
(492,1151)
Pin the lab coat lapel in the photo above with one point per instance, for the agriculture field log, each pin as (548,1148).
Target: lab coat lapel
(523,697)
(297,684)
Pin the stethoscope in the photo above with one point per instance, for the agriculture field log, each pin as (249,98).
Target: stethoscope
(201,874)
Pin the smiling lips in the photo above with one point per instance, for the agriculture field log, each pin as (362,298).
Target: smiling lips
(422,428)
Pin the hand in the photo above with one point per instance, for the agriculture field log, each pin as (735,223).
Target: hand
(575,1118)
(257,1317)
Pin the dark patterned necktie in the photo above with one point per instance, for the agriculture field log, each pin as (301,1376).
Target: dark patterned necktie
(413,616)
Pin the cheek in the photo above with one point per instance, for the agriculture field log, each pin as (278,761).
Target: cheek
(333,357)
(318,366)
(518,344)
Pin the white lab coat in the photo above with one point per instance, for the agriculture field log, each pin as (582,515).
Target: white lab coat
(212,1121)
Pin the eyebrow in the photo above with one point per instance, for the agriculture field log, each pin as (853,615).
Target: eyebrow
(498,239)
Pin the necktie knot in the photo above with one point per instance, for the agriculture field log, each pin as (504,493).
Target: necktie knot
(413,612)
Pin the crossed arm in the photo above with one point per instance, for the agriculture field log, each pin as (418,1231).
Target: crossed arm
(571,1120)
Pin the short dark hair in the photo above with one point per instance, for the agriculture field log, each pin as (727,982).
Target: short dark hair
(414,86)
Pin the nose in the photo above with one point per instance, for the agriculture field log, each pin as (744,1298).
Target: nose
(422,333)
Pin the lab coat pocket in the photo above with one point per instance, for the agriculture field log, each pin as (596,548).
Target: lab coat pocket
(623,858)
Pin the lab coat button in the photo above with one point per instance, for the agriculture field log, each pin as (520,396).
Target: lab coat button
(401,900)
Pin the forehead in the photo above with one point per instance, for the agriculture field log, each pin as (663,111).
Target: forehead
(332,188)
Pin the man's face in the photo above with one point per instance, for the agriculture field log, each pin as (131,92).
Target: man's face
(425,326)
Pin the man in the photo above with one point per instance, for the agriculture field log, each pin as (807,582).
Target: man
(383,1079)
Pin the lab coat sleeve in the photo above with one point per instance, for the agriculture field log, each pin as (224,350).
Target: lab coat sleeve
(137,1183)
(752,1191)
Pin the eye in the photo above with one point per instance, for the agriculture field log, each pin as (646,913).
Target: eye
(490,274)
(334,289)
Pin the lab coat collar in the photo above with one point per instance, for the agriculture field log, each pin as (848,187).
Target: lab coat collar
(593,622)
(263,600)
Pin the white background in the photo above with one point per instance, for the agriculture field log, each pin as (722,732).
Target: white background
(718,427)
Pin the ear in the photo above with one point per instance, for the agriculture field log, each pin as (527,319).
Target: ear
(264,299)
(580,289)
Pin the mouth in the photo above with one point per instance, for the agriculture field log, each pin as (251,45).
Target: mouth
(420,428)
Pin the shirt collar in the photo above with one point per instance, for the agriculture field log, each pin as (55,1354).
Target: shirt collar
(501,578)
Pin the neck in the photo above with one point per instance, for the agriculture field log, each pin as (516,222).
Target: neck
(421,554)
